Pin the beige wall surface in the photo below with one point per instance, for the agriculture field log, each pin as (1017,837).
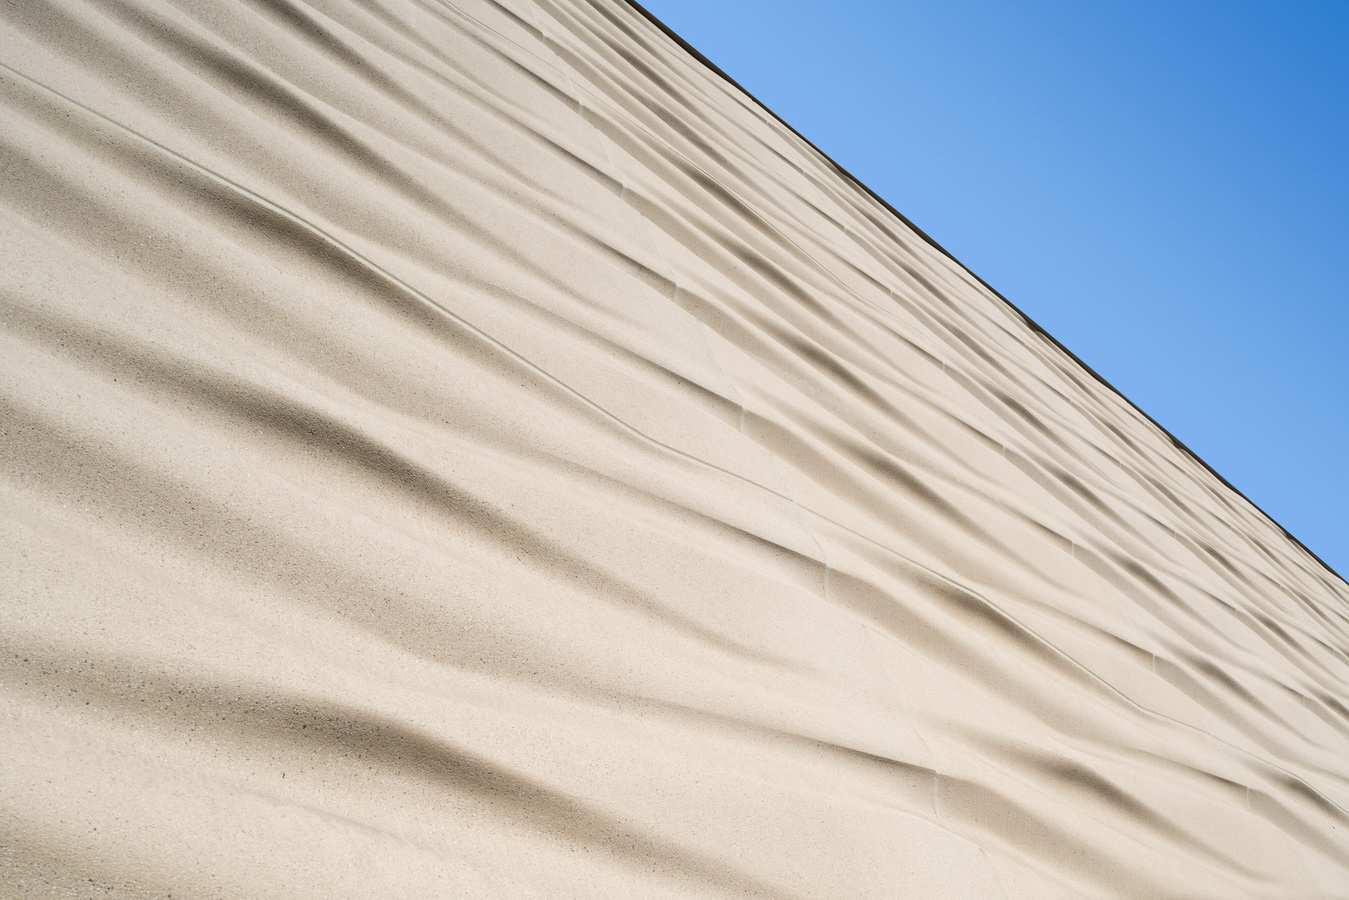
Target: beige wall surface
(466,449)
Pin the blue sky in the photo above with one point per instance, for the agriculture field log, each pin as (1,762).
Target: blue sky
(1164,186)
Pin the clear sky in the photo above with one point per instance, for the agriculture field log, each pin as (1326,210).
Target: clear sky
(1163,186)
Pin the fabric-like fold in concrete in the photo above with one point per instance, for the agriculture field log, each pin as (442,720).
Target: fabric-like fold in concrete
(470,449)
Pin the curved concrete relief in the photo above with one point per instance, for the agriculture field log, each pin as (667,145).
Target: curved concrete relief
(465,449)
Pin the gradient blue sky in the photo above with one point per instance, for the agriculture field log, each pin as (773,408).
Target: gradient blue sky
(1161,185)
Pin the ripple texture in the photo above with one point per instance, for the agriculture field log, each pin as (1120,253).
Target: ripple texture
(472,449)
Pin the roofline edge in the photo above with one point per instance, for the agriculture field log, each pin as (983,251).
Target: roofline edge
(1034,326)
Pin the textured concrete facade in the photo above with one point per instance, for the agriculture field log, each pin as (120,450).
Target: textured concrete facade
(471,449)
